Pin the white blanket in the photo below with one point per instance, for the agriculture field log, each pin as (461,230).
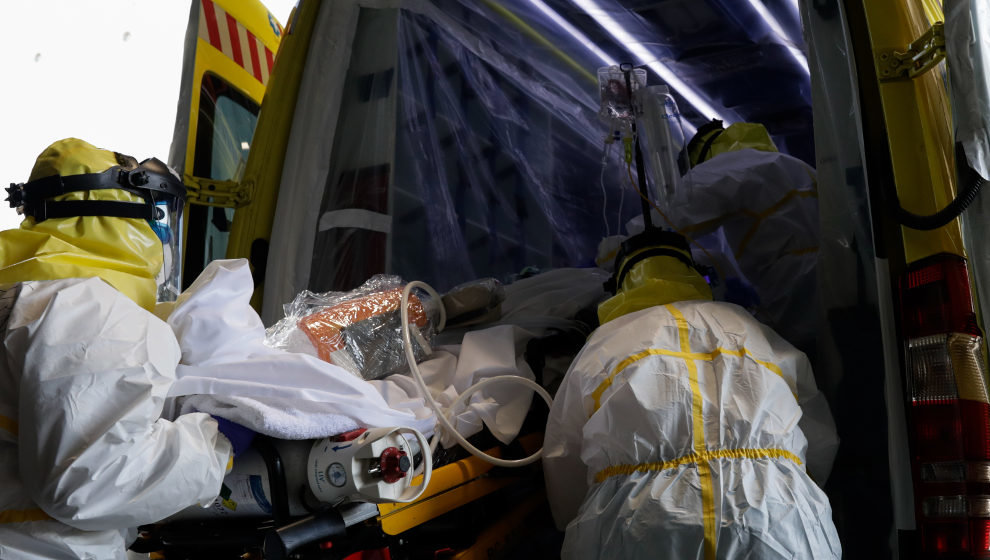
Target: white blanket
(227,370)
(453,369)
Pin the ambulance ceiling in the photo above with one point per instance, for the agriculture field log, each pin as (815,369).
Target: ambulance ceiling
(743,60)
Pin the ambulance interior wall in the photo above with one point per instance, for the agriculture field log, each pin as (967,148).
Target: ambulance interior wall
(482,149)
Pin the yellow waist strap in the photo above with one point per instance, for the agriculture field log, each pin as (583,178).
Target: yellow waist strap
(23,515)
(694,458)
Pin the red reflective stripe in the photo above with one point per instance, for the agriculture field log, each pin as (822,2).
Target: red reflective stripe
(235,40)
(211,24)
(270,59)
(253,47)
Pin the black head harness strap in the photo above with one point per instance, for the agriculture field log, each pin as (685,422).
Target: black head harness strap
(35,198)
(651,243)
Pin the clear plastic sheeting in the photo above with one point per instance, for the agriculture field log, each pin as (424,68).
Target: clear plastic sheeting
(554,299)
(475,302)
(967,35)
(461,139)
(967,46)
(359,330)
(467,145)
(493,154)
(854,369)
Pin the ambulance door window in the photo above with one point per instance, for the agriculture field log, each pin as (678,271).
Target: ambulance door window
(227,120)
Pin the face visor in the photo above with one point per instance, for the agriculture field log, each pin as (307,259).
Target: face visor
(161,189)
(167,226)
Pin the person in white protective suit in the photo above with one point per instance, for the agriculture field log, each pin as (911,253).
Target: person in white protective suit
(685,428)
(765,204)
(86,365)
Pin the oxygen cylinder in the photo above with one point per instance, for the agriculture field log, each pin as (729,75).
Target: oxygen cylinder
(374,466)
(363,465)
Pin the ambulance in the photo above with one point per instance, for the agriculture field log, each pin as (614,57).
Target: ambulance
(448,140)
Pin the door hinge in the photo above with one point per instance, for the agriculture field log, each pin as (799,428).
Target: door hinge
(210,192)
(921,56)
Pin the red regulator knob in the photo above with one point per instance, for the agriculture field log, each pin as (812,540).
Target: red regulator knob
(395,464)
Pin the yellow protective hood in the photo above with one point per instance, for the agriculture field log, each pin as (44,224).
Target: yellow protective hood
(712,140)
(125,252)
(652,281)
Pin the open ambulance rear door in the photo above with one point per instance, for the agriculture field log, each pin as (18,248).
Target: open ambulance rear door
(229,54)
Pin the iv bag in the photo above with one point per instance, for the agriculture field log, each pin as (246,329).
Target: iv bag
(617,108)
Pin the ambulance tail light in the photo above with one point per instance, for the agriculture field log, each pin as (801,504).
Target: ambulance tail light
(949,413)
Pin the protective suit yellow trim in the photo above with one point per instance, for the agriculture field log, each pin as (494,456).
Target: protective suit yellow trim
(805,251)
(770,212)
(682,329)
(759,217)
(701,455)
(596,395)
(738,136)
(124,252)
(651,282)
(744,352)
(700,447)
(717,220)
(607,259)
(8,424)
(709,224)
(620,470)
(23,515)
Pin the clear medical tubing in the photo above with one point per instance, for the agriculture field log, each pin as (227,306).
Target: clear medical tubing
(442,415)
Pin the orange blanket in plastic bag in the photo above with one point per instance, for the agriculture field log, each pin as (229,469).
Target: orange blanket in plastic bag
(324,328)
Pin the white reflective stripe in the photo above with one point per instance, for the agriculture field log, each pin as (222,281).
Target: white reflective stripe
(204,32)
(356,218)
(225,46)
(245,49)
(262,60)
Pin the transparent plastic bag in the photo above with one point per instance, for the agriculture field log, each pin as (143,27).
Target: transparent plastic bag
(616,100)
(474,303)
(359,330)
(661,131)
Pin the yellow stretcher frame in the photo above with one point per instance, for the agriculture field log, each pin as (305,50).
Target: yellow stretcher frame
(451,486)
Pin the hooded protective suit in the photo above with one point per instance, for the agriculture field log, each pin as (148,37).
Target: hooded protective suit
(678,432)
(84,372)
(766,204)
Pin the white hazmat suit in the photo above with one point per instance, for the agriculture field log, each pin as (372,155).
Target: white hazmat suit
(678,433)
(83,378)
(85,367)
